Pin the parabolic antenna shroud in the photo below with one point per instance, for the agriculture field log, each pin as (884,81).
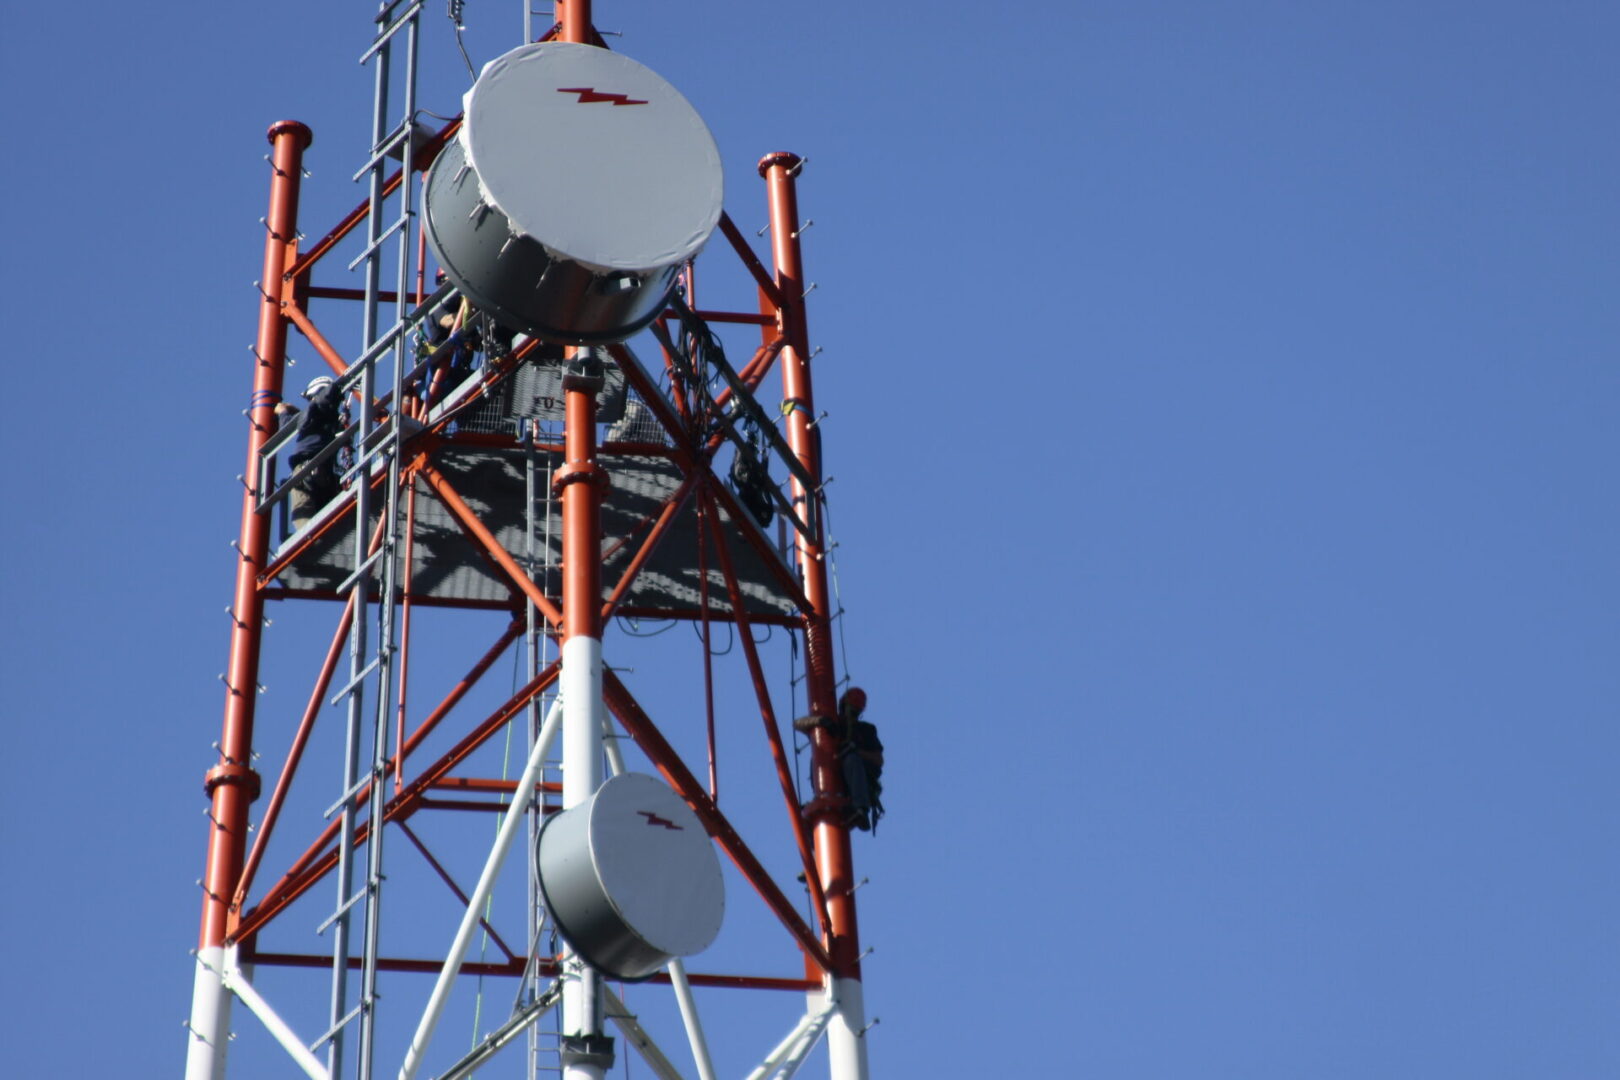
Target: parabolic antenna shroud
(580,183)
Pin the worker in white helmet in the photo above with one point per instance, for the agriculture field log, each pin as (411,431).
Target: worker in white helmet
(318,424)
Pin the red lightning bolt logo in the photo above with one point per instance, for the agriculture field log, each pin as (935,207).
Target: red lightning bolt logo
(589,95)
(654,819)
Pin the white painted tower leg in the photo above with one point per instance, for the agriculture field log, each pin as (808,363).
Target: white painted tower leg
(846,1037)
(583,717)
(210,1022)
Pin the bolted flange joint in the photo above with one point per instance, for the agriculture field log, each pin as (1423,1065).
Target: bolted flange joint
(825,807)
(584,373)
(573,473)
(783,158)
(291,127)
(240,775)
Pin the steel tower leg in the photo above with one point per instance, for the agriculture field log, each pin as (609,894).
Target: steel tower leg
(581,481)
(232,785)
(574,21)
(846,1047)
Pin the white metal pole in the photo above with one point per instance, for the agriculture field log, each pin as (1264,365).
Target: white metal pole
(689,1015)
(236,980)
(806,1031)
(846,1031)
(615,1010)
(510,823)
(610,747)
(789,1066)
(583,718)
(497,1040)
(209,1027)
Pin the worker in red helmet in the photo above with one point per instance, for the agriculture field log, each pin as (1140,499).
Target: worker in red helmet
(860,755)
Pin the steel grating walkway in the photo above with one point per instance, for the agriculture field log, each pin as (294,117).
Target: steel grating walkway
(450,568)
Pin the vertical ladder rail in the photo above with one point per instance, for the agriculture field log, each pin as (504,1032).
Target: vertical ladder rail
(359,587)
(387,629)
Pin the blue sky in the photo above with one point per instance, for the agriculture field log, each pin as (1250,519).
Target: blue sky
(1222,399)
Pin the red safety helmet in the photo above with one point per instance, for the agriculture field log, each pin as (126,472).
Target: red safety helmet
(854,698)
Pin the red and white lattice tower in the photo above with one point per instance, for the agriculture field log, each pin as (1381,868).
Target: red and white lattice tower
(594,471)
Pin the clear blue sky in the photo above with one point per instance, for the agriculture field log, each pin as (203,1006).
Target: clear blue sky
(1223,400)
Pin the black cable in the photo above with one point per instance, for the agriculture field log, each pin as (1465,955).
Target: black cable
(626,623)
(730,643)
(455,17)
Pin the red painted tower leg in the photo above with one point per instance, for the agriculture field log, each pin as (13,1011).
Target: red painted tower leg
(232,785)
(846,1048)
(574,19)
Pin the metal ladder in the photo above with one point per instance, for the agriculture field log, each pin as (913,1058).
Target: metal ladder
(377,451)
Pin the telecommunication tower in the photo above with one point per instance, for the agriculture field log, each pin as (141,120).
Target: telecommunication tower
(510,482)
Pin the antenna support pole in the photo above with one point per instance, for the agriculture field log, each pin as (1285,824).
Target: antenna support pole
(581,481)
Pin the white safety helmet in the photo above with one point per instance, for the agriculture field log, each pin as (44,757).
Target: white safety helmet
(317,384)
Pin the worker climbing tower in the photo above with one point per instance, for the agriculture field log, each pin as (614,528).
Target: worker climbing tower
(550,578)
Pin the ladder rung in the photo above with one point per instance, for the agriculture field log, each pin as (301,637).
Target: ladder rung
(342,910)
(385,150)
(371,248)
(393,28)
(360,571)
(378,348)
(349,689)
(348,796)
(335,1028)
